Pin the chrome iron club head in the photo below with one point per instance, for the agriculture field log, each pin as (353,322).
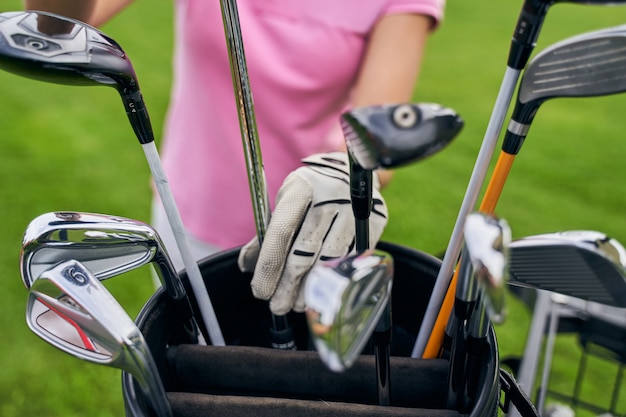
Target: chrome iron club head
(106,245)
(345,299)
(389,136)
(583,264)
(70,309)
(487,240)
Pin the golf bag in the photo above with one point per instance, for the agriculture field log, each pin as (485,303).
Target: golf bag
(247,378)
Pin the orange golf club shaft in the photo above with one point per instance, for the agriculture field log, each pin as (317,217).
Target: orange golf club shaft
(488,206)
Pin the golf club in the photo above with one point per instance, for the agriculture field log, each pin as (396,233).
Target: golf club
(588,65)
(79,54)
(488,239)
(281,332)
(525,35)
(583,264)
(479,292)
(70,309)
(345,300)
(394,135)
(106,245)
(389,136)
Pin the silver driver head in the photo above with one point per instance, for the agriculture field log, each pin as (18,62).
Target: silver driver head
(345,299)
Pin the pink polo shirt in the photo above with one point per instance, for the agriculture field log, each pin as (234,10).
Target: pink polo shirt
(290,46)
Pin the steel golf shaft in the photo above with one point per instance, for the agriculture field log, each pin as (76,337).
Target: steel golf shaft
(251,145)
(382,340)
(432,329)
(151,382)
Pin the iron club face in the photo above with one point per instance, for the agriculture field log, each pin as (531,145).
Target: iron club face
(345,299)
(106,245)
(70,309)
(389,136)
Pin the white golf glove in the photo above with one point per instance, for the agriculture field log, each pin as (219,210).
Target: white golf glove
(313,220)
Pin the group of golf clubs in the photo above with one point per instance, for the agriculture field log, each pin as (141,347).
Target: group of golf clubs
(66,255)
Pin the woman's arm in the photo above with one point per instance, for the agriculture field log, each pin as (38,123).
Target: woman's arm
(391,63)
(93,12)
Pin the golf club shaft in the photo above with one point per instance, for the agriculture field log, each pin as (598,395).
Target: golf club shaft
(433,328)
(488,206)
(191,267)
(151,384)
(382,352)
(252,147)
(496,183)
(361,199)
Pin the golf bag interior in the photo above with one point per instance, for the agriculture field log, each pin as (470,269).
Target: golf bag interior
(248,378)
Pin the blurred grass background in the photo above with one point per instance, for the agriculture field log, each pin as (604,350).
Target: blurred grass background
(70,148)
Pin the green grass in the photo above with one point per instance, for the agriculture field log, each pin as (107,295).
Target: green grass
(71,148)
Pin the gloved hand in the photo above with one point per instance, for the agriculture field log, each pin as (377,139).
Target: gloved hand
(312,221)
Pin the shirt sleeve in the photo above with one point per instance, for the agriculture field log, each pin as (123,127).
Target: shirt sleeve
(432,8)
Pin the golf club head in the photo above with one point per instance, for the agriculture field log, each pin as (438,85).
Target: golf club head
(70,309)
(584,264)
(529,25)
(56,49)
(588,65)
(107,245)
(59,50)
(390,136)
(487,240)
(345,299)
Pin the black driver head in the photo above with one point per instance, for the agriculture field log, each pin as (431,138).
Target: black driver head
(389,136)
